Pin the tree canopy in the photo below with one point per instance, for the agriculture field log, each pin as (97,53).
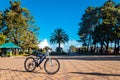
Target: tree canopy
(17,24)
(101,25)
(59,36)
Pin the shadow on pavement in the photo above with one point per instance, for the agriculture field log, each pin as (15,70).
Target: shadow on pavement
(36,72)
(85,57)
(96,58)
(95,73)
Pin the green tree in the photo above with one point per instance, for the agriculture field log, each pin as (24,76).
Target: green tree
(98,36)
(101,25)
(89,21)
(14,21)
(116,31)
(59,36)
(19,24)
(73,48)
(1,22)
(109,18)
(2,39)
(1,17)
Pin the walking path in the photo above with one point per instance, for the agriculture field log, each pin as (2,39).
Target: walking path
(72,68)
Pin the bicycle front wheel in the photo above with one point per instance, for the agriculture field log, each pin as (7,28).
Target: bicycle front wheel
(51,66)
(30,64)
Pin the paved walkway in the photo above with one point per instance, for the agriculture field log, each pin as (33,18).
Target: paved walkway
(72,68)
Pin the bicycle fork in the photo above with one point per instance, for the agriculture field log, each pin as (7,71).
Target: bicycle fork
(50,60)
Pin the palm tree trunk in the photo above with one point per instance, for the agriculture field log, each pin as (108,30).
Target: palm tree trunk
(59,48)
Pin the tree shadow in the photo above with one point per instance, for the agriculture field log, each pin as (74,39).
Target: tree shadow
(95,73)
(15,70)
(85,57)
(92,58)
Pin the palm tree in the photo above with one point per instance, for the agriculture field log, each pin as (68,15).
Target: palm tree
(59,36)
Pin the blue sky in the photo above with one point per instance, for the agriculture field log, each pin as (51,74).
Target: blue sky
(52,14)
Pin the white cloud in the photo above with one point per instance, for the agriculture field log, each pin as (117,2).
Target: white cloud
(65,46)
(43,43)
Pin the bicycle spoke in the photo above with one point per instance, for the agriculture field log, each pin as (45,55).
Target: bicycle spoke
(30,64)
(51,66)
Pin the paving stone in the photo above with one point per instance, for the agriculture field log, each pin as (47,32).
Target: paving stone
(72,68)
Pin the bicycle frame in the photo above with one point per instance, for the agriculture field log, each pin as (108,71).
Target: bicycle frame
(42,57)
(37,59)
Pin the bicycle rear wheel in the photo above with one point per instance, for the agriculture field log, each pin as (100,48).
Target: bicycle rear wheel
(51,66)
(30,64)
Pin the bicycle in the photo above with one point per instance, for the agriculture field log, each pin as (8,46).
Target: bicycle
(51,65)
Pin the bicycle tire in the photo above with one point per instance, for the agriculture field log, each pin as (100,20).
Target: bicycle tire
(46,69)
(33,63)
